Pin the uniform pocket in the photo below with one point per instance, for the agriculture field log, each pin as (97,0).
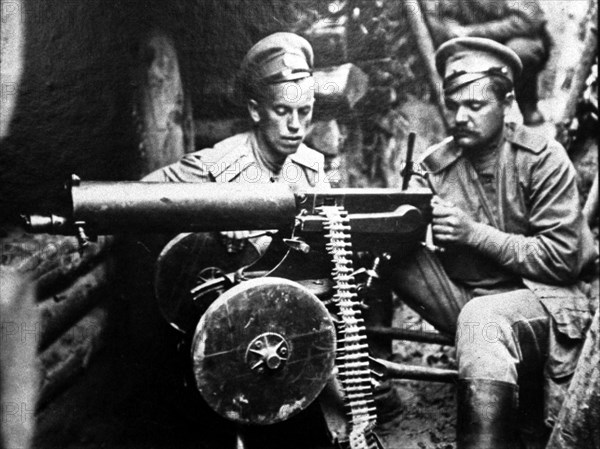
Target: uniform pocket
(568,306)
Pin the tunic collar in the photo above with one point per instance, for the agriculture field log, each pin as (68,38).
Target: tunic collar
(239,152)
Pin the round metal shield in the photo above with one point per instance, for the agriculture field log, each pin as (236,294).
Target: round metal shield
(185,263)
(263,351)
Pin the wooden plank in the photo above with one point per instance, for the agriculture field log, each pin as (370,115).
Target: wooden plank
(418,27)
(60,312)
(70,355)
(164,113)
(578,83)
(51,261)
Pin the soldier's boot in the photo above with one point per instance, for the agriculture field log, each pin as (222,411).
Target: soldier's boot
(486,414)
(533,432)
(379,313)
(388,403)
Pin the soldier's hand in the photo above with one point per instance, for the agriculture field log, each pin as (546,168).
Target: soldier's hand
(450,223)
(235,241)
(456,30)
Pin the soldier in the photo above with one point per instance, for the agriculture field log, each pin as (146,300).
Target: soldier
(276,83)
(277,86)
(506,215)
(521,26)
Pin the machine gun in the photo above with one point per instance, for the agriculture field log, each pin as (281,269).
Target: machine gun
(265,331)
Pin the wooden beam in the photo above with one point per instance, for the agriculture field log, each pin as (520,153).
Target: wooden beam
(420,31)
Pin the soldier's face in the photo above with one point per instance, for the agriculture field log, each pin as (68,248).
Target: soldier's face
(476,115)
(283,116)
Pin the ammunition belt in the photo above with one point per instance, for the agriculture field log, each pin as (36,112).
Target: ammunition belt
(352,359)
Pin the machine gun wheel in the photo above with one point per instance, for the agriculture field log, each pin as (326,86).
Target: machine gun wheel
(263,351)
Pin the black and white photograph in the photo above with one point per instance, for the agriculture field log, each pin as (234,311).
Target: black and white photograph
(299,224)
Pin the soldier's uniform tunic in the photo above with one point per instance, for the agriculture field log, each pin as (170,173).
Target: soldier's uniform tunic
(532,244)
(235,160)
(511,290)
(276,59)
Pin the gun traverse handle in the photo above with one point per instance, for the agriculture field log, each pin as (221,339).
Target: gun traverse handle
(48,224)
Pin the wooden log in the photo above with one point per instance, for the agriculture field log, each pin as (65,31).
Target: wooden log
(12,35)
(19,377)
(69,262)
(578,83)
(404,371)
(78,282)
(70,355)
(577,425)
(63,310)
(164,114)
(418,27)
(397,333)
(52,262)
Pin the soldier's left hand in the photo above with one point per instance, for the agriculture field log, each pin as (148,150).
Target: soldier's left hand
(457,30)
(450,223)
(235,241)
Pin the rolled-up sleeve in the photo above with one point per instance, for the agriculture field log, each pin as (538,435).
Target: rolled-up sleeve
(551,252)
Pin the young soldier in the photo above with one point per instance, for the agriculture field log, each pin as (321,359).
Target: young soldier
(278,88)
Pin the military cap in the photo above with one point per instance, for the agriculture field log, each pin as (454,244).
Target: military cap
(277,58)
(463,60)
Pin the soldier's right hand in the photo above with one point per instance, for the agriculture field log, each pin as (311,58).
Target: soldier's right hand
(450,223)
(235,241)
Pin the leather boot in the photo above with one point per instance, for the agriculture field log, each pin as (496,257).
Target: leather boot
(388,404)
(486,414)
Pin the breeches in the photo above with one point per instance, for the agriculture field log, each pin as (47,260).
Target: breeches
(501,336)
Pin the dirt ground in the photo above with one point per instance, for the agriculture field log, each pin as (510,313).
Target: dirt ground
(428,415)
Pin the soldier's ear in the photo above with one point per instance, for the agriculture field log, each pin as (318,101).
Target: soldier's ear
(253,111)
(508,102)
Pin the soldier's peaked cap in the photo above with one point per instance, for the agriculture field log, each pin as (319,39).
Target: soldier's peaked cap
(277,58)
(466,59)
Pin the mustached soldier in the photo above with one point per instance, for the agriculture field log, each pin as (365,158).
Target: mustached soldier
(521,26)
(507,214)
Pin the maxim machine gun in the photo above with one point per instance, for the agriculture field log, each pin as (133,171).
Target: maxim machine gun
(268,328)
